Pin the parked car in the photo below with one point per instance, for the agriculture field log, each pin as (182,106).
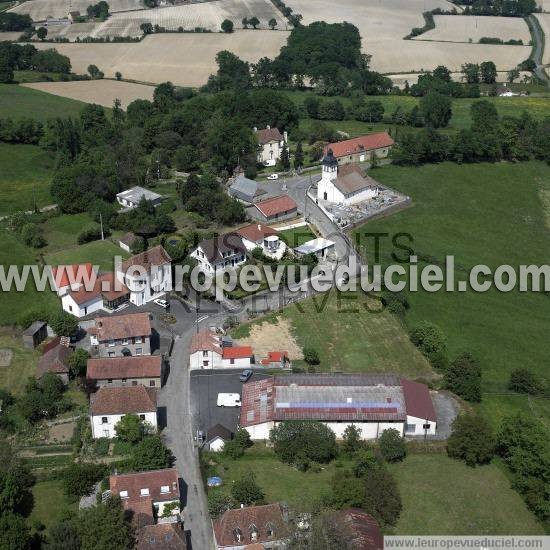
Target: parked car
(245,375)
(162,303)
(229,400)
(273,177)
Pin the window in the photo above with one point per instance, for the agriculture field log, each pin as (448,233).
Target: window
(205,354)
(111,343)
(232,361)
(110,381)
(124,380)
(410,428)
(205,363)
(104,420)
(125,341)
(123,494)
(165,489)
(144,492)
(70,308)
(139,351)
(138,340)
(152,383)
(134,383)
(111,354)
(142,417)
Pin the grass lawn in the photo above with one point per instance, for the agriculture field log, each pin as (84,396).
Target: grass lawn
(476,213)
(297,236)
(23,364)
(62,231)
(442,496)
(25,177)
(99,253)
(18,102)
(50,502)
(350,338)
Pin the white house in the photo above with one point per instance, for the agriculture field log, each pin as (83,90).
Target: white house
(373,403)
(147,276)
(220,253)
(257,235)
(270,145)
(109,404)
(210,351)
(344,184)
(132,197)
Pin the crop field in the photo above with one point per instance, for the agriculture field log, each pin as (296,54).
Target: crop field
(184,59)
(102,92)
(39,10)
(544,4)
(544,20)
(454,28)
(9,36)
(384,25)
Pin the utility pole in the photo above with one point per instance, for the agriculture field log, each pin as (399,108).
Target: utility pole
(101,224)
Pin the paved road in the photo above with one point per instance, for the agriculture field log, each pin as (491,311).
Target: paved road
(539,49)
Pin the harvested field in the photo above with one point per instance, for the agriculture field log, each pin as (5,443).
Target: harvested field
(544,20)
(383,26)
(455,28)
(102,92)
(545,5)
(39,10)
(184,59)
(9,36)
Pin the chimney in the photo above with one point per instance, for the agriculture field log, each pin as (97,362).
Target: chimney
(255,129)
(242,505)
(259,227)
(285,136)
(268,127)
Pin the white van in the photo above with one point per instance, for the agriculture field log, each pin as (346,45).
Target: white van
(229,400)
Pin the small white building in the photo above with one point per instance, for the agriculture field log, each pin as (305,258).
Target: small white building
(209,350)
(322,248)
(108,405)
(257,235)
(220,253)
(344,184)
(270,145)
(216,437)
(147,276)
(132,197)
(126,241)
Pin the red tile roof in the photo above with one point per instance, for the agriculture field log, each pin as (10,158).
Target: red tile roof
(360,144)
(268,134)
(105,281)
(276,205)
(162,536)
(205,340)
(155,256)
(123,400)
(118,327)
(275,357)
(154,481)
(55,358)
(72,274)
(256,232)
(143,366)
(418,401)
(237,352)
(243,520)
(362,528)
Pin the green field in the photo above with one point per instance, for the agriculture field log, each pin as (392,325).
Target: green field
(62,231)
(476,214)
(19,102)
(297,236)
(99,253)
(23,364)
(24,178)
(350,338)
(50,503)
(442,496)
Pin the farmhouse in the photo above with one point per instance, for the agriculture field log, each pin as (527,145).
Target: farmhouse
(261,236)
(148,494)
(252,525)
(55,358)
(148,275)
(209,350)
(274,209)
(344,184)
(362,148)
(270,145)
(132,197)
(372,402)
(109,405)
(122,335)
(220,253)
(125,371)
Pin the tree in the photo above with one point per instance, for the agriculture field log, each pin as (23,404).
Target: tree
(436,109)
(298,440)
(392,445)
(219,502)
(442,73)
(146,28)
(242,438)
(31,234)
(285,158)
(41,33)
(430,340)
(80,478)
(254,21)
(463,377)
(488,72)
(351,439)
(311,356)
(130,428)
(382,499)
(298,156)
(246,491)
(245,22)
(78,362)
(471,440)
(63,536)
(513,75)
(227,26)
(346,491)
(43,398)
(151,454)
(272,23)
(118,75)
(63,323)
(6,71)
(363,461)
(525,381)
(14,532)
(372,111)
(471,72)
(94,72)
(186,158)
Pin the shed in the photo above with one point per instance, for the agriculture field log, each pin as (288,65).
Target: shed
(35,334)
(320,247)
(216,437)
(244,189)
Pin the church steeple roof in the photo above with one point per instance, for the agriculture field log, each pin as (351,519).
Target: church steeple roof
(330,160)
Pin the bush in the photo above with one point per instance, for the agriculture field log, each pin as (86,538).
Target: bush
(246,491)
(227,26)
(63,323)
(392,445)
(219,502)
(463,377)
(471,440)
(151,454)
(79,479)
(32,235)
(382,499)
(525,381)
(92,233)
(311,356)
(78,362)
(430,340)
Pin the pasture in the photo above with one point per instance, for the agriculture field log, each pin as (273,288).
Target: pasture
(455,28)
(186,59)
(39,10)
(102,92)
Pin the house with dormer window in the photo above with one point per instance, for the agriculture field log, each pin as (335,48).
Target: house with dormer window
(220,253)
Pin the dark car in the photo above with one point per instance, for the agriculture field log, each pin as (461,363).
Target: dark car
(245,375)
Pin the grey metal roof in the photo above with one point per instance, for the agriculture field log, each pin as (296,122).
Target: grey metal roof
(135,194)
(338,380)
(243,188)
(35,327)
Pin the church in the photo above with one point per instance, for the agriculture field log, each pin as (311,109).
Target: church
(344,184)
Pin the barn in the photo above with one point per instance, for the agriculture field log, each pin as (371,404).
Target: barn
(372,402)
